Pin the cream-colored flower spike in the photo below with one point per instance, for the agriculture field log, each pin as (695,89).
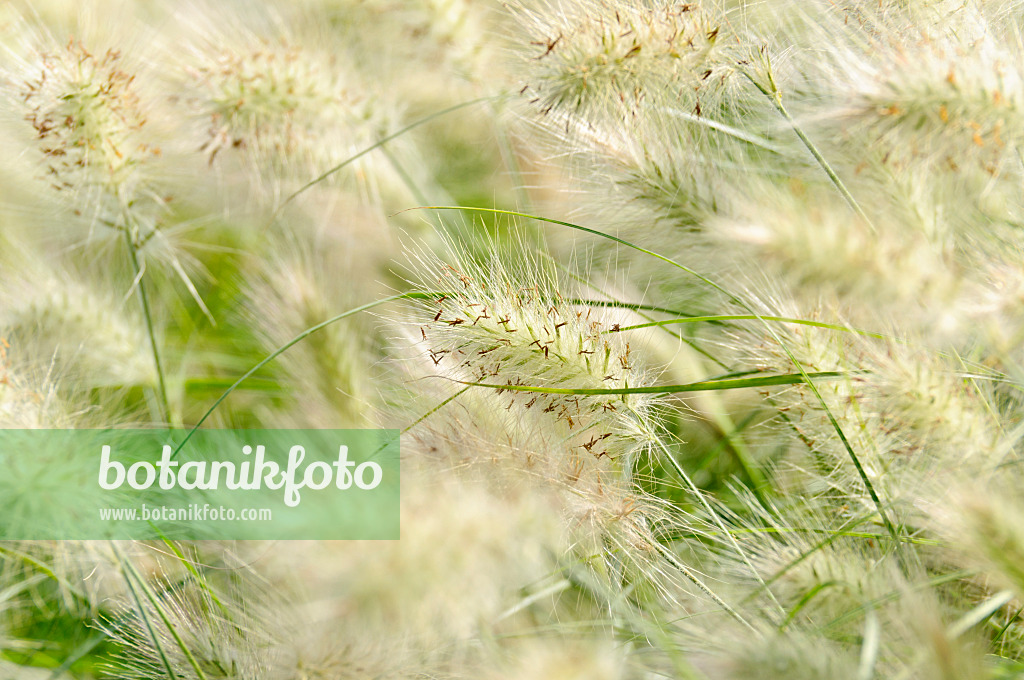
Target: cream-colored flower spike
(87,118)
(291,110)
(605,60)
(510,327)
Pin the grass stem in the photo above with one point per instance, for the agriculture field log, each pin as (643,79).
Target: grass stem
(133,253)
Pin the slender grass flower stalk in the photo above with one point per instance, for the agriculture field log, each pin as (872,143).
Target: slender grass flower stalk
(89,124)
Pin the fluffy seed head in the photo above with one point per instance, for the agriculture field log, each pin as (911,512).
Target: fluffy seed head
(87,118)
(804,236)
(510,327)
(507,325)
(290,109)
(293,292)
(935,85)
(605,59)
(79,331)
(225,634)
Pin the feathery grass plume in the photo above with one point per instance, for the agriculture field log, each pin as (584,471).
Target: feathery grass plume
(785,655)
(538,538)
(420,605)
(605,61)
(506,323)
(90,127)
(31,484)
(819,561)
(908,413)
(88,121)
(936,83)
(996,305)
(294,291)
(70,588)
(71,572)
(655,144)
(912,102)
(85,113)
(925,416)
(13,26)
(435,57)
(502,321)
(196,629)
(615,532)
(652,93)
(23,404)
(845,591)
(805,238)
(80,333)
(93,114)
(459,27)
(290,104)
(937,409)
(416,45)
(983,523)
(660,175)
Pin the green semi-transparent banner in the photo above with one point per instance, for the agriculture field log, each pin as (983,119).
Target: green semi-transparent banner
(212,484)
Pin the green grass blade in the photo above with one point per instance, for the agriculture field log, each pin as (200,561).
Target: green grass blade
(980,613)
(171,675)
(717,318)
(806,599)
(437,408)
(774,96)
(634,306)
(384,140)
(702,386)
(132,572)
(283,348)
